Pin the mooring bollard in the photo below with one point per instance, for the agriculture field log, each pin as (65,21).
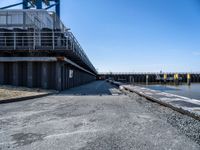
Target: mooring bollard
(188,79)
(176,79)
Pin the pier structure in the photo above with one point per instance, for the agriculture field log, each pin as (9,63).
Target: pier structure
(148,77)
(37,50)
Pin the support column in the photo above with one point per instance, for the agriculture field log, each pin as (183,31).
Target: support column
(1,73)
(30,74)
(15,74)
(44,79)
(25,4)
(39,4)
(58,76)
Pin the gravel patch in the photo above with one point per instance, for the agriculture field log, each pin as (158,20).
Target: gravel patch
(183,123)
(12,92)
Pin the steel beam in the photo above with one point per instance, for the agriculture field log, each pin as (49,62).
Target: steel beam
(30,74)
(57,7)
(38,4)
(44,79)
(11,5)
(15,74)
(25,4)
(58,77)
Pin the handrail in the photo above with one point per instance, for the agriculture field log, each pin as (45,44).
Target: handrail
(12,39)
(145,73)
(29,18)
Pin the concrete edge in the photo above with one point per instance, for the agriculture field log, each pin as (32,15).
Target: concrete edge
(11,100)
(178,109)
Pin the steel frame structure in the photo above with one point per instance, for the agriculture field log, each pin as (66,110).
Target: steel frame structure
(38,4)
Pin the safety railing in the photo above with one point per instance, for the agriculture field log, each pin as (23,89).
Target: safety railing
(146,73)
(42,40)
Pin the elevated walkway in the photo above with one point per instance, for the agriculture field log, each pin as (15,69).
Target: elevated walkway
(37,50)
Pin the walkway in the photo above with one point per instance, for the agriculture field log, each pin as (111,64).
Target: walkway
(99,117)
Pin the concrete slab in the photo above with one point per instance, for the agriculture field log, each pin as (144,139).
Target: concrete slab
(95,121)
(182,104)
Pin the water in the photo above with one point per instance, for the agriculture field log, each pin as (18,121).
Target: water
(192,91)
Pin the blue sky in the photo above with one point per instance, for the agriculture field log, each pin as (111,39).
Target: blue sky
(136,35)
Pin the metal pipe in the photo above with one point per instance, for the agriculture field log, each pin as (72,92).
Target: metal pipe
(11,5)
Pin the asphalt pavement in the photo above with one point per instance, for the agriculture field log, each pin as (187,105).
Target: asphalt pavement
(96,116)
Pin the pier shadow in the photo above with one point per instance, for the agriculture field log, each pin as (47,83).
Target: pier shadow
(93,88)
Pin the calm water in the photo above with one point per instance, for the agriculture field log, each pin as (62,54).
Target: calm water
(192,91)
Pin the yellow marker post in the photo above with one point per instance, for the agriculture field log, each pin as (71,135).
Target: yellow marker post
(188,76)
(188,79)
(176,78)
(165,78)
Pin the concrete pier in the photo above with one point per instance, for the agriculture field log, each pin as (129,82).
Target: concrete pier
(58,77)
(1,73)
(15,74)
(43,72)
(44,75)
(30,74)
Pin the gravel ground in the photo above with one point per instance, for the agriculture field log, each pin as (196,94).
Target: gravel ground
(99,117)
(183,123)
(9,92)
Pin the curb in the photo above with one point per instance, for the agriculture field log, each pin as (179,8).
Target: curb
(11,100)
(178,109)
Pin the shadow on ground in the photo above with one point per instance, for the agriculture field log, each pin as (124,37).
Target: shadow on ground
(93,88)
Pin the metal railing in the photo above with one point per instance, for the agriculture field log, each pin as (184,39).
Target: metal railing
(144,73)
(42,40)
(37,30)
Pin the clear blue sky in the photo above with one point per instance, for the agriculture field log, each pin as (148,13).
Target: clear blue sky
(136,35)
